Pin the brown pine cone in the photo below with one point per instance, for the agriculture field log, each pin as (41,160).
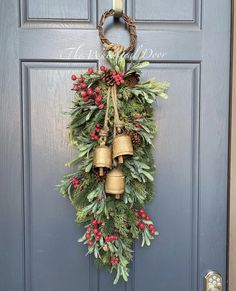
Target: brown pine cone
(108,78)
(132,79)
(135,138)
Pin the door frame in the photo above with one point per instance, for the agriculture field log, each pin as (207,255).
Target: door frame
(232,165)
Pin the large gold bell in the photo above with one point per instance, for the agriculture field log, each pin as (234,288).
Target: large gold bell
(102,158)
(122,146)
(115,183)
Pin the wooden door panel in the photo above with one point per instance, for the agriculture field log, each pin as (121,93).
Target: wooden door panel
(51,9)
(181,10)
(175,206)
(57,14)
(54,259)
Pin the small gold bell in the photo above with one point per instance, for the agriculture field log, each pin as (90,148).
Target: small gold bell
(115,183)
(122,146)
(102,158)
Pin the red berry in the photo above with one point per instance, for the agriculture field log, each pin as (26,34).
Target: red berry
(136,214)
(98,125)
(94,222)
(141,211)
(112,237)
(151,226)
(87,235)
(99,233)
(148,217)
(83,85)
(90,91)
(76,88)
(97,90)
(114,261)
(75,182)
(98,99)
(85,99)
(97,237)
(141,225)
(102,68)
(101,106)
(95,230)
(97,129)
(90,243)
(152,231)
(107,238)
(122,81)
(143,215)
(80,80)
(138,125)
(96,137)
(89,228)
(83,93)
(90,70)
(73,77)
(137,116)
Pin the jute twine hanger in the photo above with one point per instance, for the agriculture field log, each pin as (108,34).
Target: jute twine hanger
(117,49)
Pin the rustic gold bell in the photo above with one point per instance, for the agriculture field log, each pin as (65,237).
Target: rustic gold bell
(122,146)
(102,158)
(115,183)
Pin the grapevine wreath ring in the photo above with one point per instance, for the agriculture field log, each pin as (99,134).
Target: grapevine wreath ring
(112,126)
(131,27)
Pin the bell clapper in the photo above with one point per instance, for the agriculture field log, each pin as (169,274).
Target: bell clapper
(120,159)
(101,172)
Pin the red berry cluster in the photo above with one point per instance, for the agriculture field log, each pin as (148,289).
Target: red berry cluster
(94,133)
(118,77)
(94,232)
(75,182)
(141,224)
(88,93)
(111,238)
(93,94)
(114,261)
(80,85)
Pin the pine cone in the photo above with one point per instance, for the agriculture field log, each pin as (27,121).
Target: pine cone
(132,79)
(135,138)
(108,78)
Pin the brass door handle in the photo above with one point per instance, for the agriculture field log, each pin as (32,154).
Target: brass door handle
(213,281)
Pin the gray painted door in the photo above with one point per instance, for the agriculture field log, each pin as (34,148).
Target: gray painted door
(42,44)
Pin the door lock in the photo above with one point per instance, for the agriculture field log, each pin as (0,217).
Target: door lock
(213,281)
